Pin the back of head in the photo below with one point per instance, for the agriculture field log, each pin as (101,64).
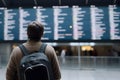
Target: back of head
(35,31)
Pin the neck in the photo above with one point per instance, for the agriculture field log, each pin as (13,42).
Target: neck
(32,41)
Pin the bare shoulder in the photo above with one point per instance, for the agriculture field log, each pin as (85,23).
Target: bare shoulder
(49,46)
(49,49)
(16,49)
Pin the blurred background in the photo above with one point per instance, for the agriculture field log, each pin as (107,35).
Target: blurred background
(84,33)
(86,61)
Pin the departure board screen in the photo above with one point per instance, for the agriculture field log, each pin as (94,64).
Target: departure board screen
(1,24)
(114,15)
(100,23)
(11,24)
(81,23)
(63,23)
(46,17)
(26,16)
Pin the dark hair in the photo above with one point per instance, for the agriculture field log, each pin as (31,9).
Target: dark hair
(35,31)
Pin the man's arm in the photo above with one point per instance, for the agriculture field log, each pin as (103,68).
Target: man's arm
(11,71)
(54,63)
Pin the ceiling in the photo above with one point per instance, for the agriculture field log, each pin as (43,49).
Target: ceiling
(50,3)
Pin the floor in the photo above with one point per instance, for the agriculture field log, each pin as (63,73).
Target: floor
(85,69)
(82,74)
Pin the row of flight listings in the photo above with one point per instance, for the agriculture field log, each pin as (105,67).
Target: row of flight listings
(62,23)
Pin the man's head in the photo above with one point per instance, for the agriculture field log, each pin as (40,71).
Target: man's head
(35,31)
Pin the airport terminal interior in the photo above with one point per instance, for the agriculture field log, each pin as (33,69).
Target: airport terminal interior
(84,33)
(78,61)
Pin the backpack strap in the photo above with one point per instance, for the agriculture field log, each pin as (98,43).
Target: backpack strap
(42,48)
(24,50)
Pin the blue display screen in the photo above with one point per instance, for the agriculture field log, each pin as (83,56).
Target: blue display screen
(11,24)
(1,24)
(81,23)
(25,17)
(46,17)
(62,23)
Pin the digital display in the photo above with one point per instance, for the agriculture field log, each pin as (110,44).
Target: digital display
(63,23)
(100,23)
(26,16)
(114,15)
(11,24)
(1,24)
(46,17)
(81,23)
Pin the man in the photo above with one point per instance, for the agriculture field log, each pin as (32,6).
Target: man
(34,31)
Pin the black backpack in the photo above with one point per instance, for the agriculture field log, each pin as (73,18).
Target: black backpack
(35,65)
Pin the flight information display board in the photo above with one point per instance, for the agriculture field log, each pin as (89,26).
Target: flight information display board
(46,17)
(26,16)
(114,15)
(63,23)
(100,23)
(81,23)
(1,24)
(11,24)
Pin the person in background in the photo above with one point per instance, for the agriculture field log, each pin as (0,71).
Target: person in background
(35,31)
(63,54)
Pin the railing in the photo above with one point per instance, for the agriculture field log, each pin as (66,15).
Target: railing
(89,62)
